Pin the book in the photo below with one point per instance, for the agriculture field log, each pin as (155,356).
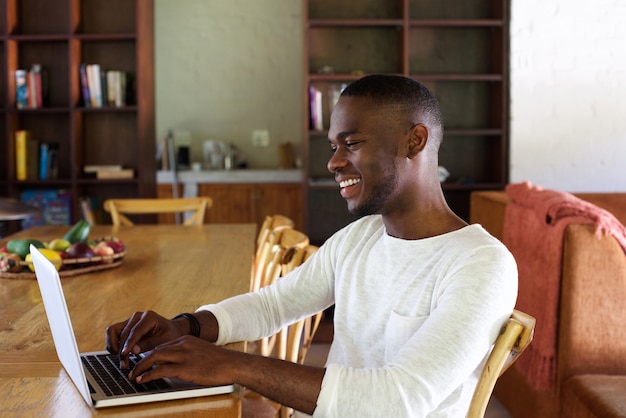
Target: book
(125,173)
(26,156)
(94,168)
(317,117)
(37,91)
(93,79)
(84,84)
(53,161)
(55,204)
(44,162)
(112,84)
(21,89)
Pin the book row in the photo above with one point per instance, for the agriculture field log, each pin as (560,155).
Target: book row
(38,160)
(321,104)
(31,87)
(105,88)
(35,159)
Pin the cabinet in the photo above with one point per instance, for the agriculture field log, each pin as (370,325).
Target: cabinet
(245,202)
(60,35)
(457,48)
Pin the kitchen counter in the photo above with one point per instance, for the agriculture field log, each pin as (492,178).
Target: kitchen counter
(232,176)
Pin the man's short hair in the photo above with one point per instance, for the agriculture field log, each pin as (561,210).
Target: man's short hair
(395,90)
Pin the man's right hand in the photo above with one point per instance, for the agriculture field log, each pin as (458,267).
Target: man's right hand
(142,332)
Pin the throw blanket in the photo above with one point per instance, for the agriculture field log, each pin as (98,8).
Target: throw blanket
(534,222)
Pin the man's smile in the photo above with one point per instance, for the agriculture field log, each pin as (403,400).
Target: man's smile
(349,182)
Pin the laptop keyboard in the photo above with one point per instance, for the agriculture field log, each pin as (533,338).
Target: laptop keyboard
(105,370)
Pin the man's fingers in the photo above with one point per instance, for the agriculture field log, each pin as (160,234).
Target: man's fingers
(167,357)
(113,338)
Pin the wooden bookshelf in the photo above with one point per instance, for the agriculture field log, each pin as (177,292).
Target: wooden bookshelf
(60,35)
(457,48)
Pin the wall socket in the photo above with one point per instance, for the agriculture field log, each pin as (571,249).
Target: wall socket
(260,138)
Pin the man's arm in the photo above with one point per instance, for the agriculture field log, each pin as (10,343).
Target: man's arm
(170,352)
(195,360)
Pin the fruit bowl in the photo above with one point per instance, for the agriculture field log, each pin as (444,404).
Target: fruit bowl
(71,266)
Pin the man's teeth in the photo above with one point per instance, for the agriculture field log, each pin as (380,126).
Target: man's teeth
(349,182)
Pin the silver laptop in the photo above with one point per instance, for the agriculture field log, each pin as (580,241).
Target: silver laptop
(96,375)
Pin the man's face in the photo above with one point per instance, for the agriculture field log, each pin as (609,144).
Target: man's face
(364,140)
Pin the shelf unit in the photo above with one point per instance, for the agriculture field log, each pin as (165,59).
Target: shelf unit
(457,48)
(60,35)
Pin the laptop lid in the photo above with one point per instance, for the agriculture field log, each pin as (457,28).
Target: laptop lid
(67,348)
(59,320)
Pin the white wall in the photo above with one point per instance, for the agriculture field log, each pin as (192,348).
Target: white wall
(568,94)
(224,68)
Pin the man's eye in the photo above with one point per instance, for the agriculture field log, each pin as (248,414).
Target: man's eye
(351,144)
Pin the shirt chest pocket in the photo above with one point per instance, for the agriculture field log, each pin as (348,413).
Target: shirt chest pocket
(398,331)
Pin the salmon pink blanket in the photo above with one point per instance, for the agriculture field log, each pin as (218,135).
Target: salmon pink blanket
(534,222)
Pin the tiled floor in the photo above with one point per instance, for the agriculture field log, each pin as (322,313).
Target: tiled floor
(317,357)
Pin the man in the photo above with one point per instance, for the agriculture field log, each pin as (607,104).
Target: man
(419,295)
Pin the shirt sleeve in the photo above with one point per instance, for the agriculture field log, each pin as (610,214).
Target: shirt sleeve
(251,316)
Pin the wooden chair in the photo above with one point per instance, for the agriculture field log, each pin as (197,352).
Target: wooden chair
(265,241)
(284,236)
(288,244)
(515,336)
(290,343)
(270,223)
(121,207)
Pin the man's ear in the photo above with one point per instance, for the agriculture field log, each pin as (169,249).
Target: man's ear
(418,138)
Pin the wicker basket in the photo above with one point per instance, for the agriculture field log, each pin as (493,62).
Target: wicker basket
(72,266)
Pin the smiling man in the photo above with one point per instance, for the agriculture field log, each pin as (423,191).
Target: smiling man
(419,295)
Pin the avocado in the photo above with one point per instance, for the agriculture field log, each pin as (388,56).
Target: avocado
(21,247)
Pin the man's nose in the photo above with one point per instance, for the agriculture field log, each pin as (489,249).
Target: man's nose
(337,161)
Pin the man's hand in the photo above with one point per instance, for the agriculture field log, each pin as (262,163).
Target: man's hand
(187,358)
(201,362)
(141,332)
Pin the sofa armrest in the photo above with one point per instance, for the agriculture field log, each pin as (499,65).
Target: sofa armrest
(592,332)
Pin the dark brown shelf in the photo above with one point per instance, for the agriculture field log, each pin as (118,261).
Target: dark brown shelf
(60,35)
(355,23)
(39,38)
(426,77)
(105,36)
(442,23)
(469,23)
(458,49)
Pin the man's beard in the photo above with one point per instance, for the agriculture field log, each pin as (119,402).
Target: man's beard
(378,196)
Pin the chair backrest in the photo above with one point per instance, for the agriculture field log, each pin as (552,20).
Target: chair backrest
(118,208)
(270,223)
(270,255)
(515,336)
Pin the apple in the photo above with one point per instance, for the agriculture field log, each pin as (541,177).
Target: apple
(105,251)
(80,250)
(117,245)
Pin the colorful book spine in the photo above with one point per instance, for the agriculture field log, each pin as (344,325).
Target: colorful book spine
(317,117)
(43,160)
(20,155)
(21,89)
(84,84)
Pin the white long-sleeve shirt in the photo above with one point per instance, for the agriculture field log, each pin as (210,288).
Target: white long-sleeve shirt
(414,319)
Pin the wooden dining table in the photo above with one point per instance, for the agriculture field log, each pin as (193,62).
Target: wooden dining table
(167,268)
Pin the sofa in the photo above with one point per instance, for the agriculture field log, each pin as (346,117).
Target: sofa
(588,374)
